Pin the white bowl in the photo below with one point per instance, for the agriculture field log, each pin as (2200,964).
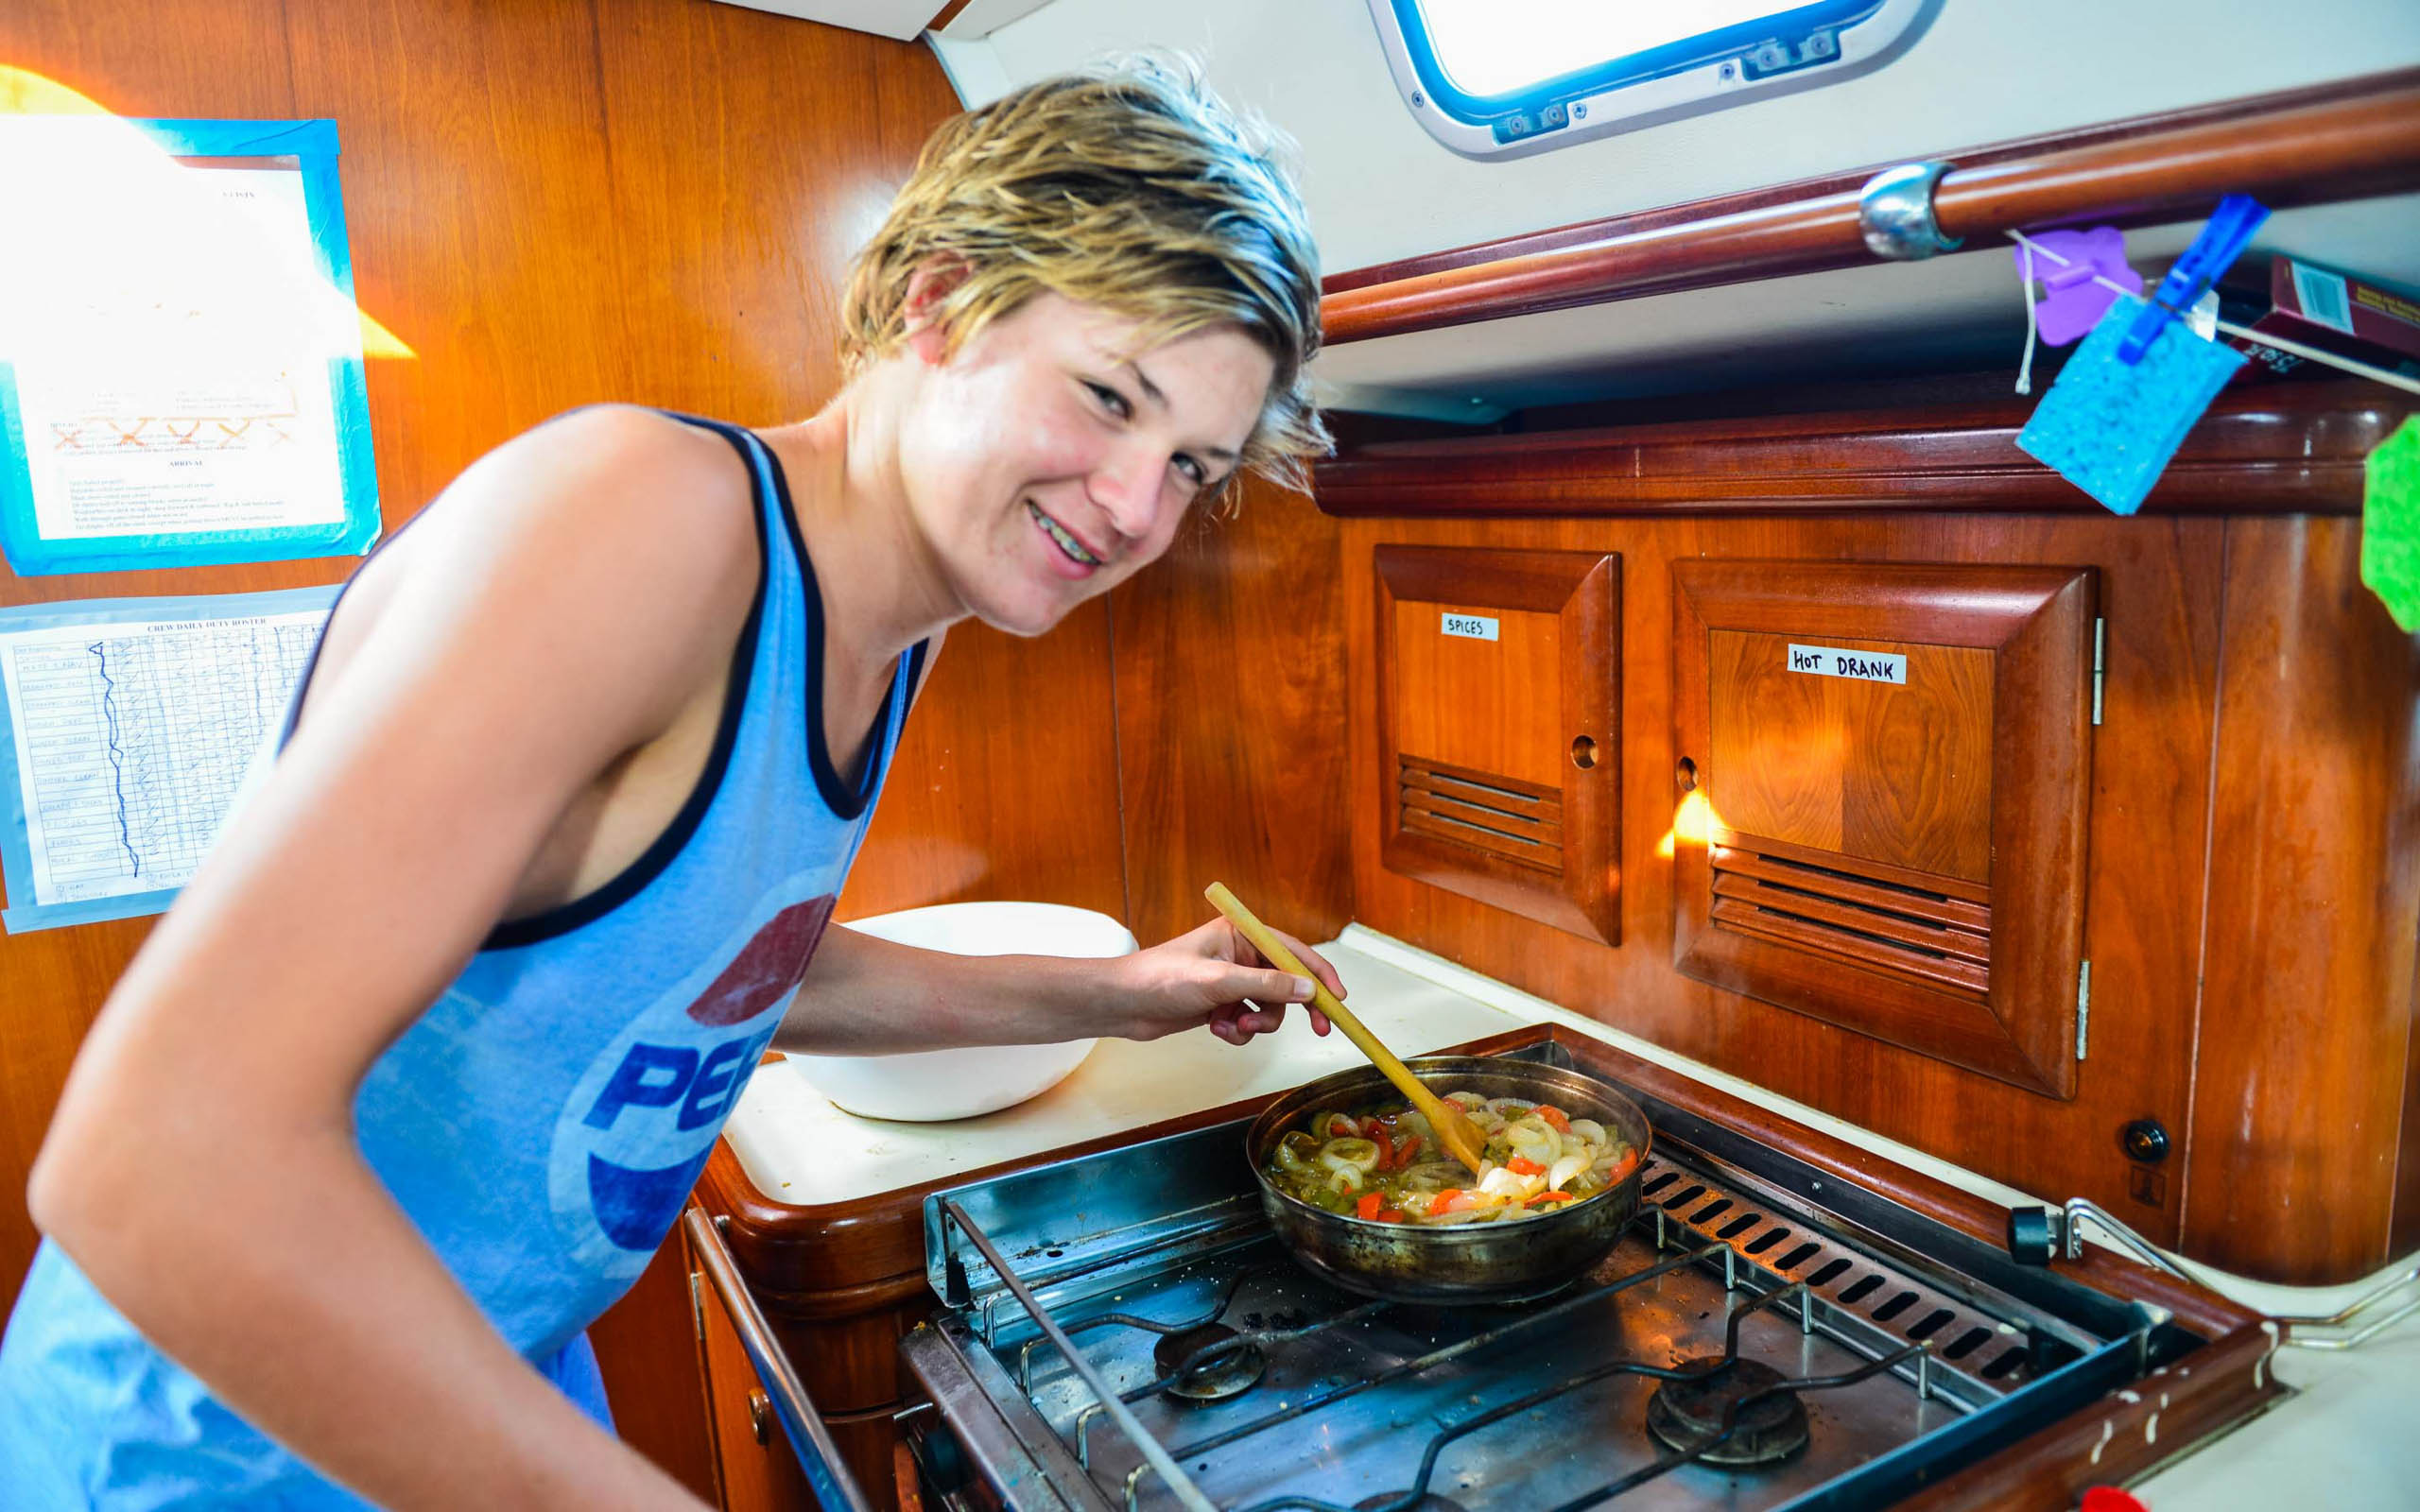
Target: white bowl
(929,1086)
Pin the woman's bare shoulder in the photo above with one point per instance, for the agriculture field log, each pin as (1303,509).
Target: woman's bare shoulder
(613,532)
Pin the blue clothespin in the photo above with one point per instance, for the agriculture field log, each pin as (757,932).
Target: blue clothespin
(2212,253)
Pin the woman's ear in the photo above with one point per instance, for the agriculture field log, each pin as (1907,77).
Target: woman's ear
(928,287)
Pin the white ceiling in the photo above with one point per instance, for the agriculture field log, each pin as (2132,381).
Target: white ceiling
(884,18)
(1379,188)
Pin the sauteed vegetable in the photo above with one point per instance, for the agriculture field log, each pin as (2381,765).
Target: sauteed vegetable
(1385,1163)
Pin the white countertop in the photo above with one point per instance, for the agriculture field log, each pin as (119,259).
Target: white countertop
(2350,1439)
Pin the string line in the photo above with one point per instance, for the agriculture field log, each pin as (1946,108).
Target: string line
(2024,381)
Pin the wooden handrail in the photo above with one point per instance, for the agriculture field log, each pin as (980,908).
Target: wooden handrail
(2362,139)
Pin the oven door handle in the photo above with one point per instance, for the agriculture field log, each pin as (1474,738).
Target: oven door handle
(835,1488)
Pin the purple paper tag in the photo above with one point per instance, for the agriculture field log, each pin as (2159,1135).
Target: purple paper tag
(2072,303)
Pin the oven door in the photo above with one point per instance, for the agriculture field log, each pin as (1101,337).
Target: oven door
(818,1456)
(971,1454)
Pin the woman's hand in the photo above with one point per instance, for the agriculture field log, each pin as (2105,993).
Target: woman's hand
(1213,975)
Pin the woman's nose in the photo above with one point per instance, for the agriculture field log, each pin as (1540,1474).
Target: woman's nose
(1127,488)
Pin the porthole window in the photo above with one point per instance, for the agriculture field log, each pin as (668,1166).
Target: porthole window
(1494,80)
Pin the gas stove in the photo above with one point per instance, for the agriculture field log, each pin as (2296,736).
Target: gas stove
(1122,1332)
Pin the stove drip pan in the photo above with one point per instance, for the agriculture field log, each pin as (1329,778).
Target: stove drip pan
(1219,1373)
(1771,1426)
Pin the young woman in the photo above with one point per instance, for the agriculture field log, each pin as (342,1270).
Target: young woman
(416,1075)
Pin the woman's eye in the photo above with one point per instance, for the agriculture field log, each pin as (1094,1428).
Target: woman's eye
(1111,400)
(1191,469)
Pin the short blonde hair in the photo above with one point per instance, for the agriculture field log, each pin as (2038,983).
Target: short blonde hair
(1128,187)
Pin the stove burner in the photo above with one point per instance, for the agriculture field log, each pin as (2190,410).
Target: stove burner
(1684,1413)
(1225,1373)
(1430,1502)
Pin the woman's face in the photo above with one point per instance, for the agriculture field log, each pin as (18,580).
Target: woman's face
(1049,459)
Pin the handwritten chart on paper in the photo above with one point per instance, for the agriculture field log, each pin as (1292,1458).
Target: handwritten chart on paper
(133,725)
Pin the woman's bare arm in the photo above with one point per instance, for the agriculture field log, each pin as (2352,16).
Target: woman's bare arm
(868,996)
(574,593)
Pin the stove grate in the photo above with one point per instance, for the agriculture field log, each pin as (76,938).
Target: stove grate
(1720,1251)
(1709,1217)
(1663,1465)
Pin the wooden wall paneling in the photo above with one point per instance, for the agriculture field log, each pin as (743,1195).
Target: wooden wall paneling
(476,193)
(798,150)
(2298,1120)
(112,55)
(2159,585)
(1005,784)
(1230,703)
(1500,766)
(1905,859)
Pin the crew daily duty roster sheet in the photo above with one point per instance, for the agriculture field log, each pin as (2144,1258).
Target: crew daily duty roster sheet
(131,725)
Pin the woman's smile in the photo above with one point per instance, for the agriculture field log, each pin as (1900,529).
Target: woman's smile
(1070,556)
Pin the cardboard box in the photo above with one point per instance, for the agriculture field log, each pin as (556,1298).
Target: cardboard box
(2319,307)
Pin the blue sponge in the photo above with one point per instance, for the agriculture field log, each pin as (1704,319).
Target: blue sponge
(2110,428)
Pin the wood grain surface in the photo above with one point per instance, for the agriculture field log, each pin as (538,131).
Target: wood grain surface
(1006,780)
(1963,782)
(1477,704)
(2159,587)
(1229,701)
(1498,762)
(1897,773)
(2303,1133)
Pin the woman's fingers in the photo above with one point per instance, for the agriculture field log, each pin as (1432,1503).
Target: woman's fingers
(1253,994)
(1312,961)
(1317,964)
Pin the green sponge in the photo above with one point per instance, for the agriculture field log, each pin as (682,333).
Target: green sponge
(2390,524)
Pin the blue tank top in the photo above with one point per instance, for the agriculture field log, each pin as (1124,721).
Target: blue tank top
(543,1121)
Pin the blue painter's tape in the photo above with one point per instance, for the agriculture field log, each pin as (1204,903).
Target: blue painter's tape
(313,146)
(16,849)
(2109,427)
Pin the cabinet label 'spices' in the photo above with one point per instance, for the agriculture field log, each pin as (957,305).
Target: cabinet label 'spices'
(1470,627)
(1830,661)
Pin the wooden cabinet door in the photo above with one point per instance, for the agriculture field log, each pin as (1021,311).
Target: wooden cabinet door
(757,1470)
(1891,772)
(1499,677)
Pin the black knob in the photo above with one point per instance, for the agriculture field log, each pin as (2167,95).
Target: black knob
(2033,1238)
(2144,1140)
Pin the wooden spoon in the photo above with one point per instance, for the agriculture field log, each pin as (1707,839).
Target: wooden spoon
(1455,1131)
